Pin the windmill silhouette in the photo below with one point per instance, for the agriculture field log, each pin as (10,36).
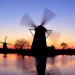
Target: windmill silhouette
(39,42)
(5,45)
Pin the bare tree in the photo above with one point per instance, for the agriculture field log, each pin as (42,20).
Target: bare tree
(64,45)
(20,44)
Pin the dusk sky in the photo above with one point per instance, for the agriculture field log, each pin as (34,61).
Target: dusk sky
(12,11)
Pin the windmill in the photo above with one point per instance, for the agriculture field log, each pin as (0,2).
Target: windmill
(39,41)
(5,44)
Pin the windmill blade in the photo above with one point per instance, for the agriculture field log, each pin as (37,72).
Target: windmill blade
(8,43)
(2,42)
(54,36)
(26,20)
(5,38)
(48,15)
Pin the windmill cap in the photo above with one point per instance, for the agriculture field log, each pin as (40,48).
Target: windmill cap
(40,27)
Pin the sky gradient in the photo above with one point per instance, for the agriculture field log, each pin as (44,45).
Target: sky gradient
(12,11)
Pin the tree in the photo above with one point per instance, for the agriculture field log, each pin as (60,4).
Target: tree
(52,47)
(20,44)
(64,45)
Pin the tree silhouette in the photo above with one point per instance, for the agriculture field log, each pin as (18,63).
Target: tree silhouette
(20,44)
(52,47)
(64,45)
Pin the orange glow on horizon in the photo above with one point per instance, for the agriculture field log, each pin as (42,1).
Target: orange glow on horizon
(56,43)
(70,45)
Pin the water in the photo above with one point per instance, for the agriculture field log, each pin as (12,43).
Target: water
(15,64)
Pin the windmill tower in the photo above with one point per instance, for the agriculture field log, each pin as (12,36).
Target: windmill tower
(39,42)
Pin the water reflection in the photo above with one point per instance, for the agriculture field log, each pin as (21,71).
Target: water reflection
(41,64)
(26,64)
(5,55)
(51,68)
(15,64)
(53,71)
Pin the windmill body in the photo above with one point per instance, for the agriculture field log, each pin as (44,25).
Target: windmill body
(4,45)
(39,41)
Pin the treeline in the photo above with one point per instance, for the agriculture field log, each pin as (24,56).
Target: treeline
(50,51)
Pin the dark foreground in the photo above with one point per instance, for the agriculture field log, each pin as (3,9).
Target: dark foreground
(29,52)
(41,58)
